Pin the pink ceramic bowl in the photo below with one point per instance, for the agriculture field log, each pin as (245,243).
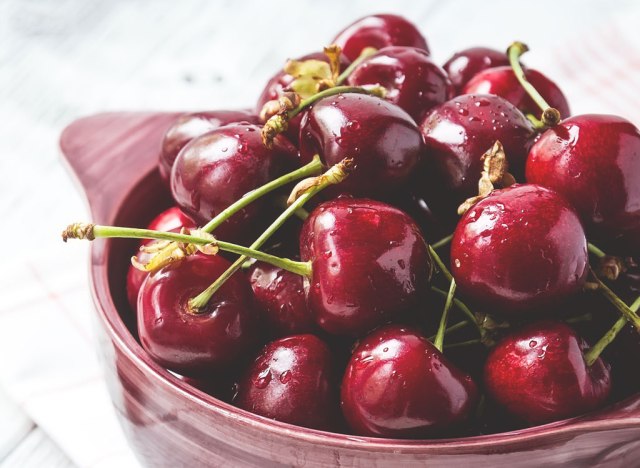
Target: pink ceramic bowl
(169,423)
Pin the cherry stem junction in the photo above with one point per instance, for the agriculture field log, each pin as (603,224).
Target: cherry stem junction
(311,169)
(334,175)
(550,115)
(463,308)
(594,353)
(439,340)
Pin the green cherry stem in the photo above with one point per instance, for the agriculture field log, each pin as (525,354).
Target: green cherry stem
(594,250)
(550,116)
(442,242)
(311,169)
(594,353)
(618,303)
(463,308)
(334,175)
(463,343)
(440,264)
(366,53)
(94,231)
(453,328)
(439,340)
(279,122)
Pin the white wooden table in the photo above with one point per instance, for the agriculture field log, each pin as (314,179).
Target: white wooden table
(64,59)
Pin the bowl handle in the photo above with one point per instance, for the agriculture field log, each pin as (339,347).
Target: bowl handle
(98,147)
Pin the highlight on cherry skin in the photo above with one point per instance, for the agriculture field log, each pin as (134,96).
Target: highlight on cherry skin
(520,310)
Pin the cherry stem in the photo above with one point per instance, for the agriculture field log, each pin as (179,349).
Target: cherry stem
(595,251)
(334,175)
(463,308)
(442,242)
(279,122)
(453,328)
(439,341)
(440,264)
(94,231)
(593,354)
(550,116)
(376,91)
(537,123)
(308,170)
(463,343)
(366,53)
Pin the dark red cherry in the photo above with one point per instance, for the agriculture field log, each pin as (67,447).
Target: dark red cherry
(192,125)
(281,80)
(196,344)
(382,139)
(292,380)
(379,31)
(217,168)
(412,80)
(398,385)
(521,249)
(539,374)
(280,295)
(457,134)
(370,264)
(594,161)
(172,219)
(465,64)
(503,82)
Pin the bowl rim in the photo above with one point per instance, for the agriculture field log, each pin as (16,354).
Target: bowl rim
(126,343)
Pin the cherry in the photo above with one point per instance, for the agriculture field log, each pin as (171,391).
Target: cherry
(521,249)
(189,343)
(379,31)
(292,380)
(412,80)
(457,134)
(381,138)
(398,385)
(594,161)
(504,83)
(219,167)
(192,125)
(539,374)
(279,82)
(280,295)
(465,64)
(369,264)
(172,219)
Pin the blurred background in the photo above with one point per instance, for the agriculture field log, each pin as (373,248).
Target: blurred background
(63,59)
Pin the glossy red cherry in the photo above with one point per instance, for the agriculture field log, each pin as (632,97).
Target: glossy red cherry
(465,64)
(594,161)
(196,344)
(219,167)
(172,219)
(192,125)
(412,80)
(503,82)
(370,264)
(280,295)
(379,31)
(521,249)
(398,385)
(382,139)
(539,374)
(292,380)
(457,134)
(280,81)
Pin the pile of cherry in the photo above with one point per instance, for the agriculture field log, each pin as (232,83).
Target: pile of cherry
(362,313)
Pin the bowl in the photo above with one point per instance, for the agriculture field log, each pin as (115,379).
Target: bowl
(169,423)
